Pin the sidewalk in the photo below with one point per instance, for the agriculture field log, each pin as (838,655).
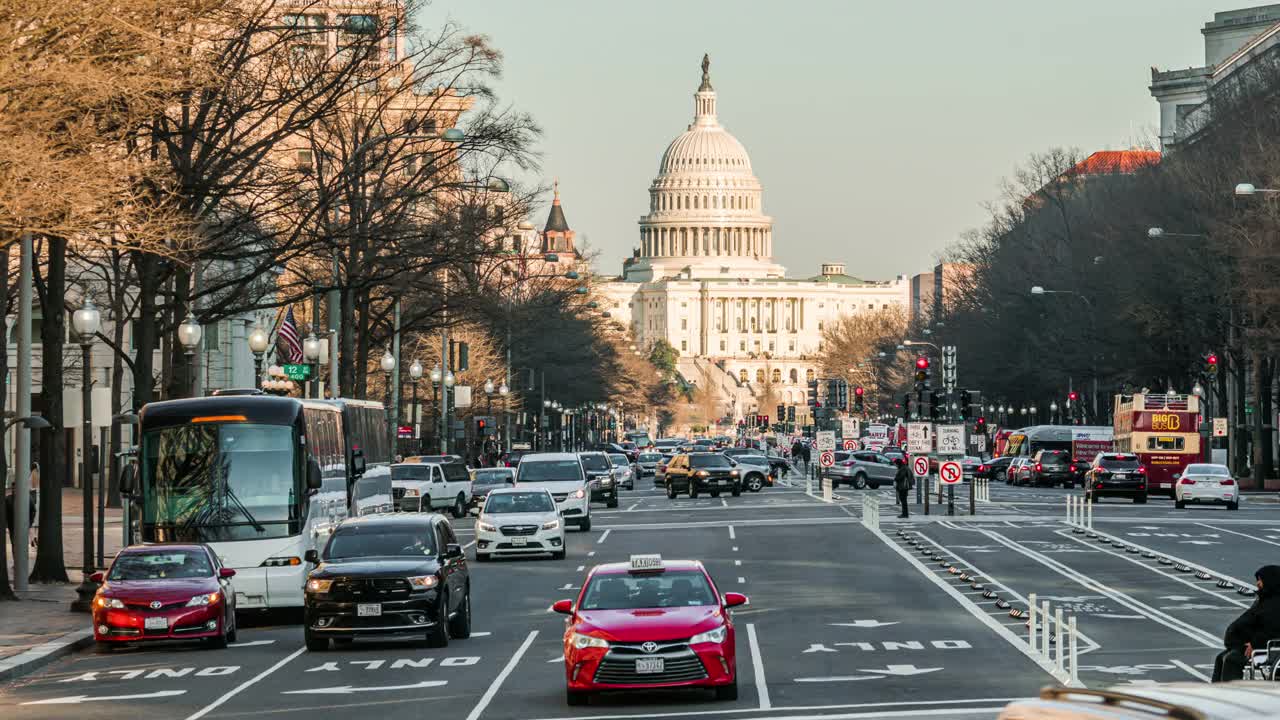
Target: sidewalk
(41,627)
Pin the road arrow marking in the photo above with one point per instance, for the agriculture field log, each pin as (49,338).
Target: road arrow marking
(841,678)
(347,689)
(903,670)
(864,624)
(77,699)
(255,643)
(1198,542)
(1114,616)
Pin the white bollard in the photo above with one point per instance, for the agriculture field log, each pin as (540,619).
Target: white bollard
(1044,629)
(826,490)
(1069,509)
(1088,506)
(1057,637)
(1075,658)
(1031,620)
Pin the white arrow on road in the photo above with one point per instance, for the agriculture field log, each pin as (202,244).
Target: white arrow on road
(903,670)
(864,624)
(77,699)
(1176,598)
(1198,542)
(840,678)
(347,689)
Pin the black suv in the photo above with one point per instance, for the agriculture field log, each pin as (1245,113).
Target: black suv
(1053,467)
(388,575)
(1116,475)
(599,471)
(697,472)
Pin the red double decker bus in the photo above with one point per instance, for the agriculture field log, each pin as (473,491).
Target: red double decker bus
(1163,430)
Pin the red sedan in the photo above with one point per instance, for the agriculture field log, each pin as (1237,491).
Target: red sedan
(649,624)
(164,592)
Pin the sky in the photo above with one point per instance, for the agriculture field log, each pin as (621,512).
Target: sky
(878,129)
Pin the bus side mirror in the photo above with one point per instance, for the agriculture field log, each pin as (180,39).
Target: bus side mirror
(357,462)
(314,479)
(128,479)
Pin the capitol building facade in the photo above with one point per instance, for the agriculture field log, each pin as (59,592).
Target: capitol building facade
(703,277)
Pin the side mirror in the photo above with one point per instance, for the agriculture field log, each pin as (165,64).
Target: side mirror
(228,573)
(511,480)
(129,480)
(97,578)
(314,479)
(453,550)
(564,607)
(734,599)
(357,462)
(312,556)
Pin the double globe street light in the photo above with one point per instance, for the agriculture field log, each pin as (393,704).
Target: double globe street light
(86,321)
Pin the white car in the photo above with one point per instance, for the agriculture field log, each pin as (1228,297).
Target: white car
(429,485)
(519,521)
(1206,483)
(623,472)
(562,475)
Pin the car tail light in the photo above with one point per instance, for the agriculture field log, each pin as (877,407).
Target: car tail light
(982,468)
(1037,467)
(1228,481)
(1098,486)
(1142,470)
(1073,468)
(1186,481)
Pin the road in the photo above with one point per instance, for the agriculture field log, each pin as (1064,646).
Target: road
(844,621)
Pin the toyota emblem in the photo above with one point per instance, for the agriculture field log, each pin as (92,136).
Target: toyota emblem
(155,604)
(650,647)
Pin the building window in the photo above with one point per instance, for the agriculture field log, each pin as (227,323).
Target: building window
(871,306)
(795,376)
(777,375)
(684,323)
(760,375)
(742,345)
(722,344)
(819,326)
(770,346)
(742,375)
(808,375)
(684,345)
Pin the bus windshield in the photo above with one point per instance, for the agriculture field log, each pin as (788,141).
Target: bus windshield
(219,482)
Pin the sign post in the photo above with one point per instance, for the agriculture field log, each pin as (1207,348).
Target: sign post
(950,473)
(920,443)
(824,441)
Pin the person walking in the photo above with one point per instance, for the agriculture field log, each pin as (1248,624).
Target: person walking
(1254,628)
(902,482)
(804,451)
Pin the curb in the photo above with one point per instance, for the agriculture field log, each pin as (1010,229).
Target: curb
(37,657)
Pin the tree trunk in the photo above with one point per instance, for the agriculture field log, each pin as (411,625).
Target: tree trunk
(348,344)
(145,330)
(1240,419)
(1266,372)
(49,565)
(362,346)
(117,377)
(1259,433)
(6,590)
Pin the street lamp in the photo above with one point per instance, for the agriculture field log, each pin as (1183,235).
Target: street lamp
(449,379)
(415,374)
(311,352)
(437,376)
(488,396)
(388,364)
(1246,189)
(86,321)
(189,333)
(258,342)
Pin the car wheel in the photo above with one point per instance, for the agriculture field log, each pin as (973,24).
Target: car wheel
(727,692)
(424,505)
(460,625)
(671,491)
(612,502)
(859,481)
(693,491)
(1140,500)
(235,629)
(1179,504)
(459,507)
(558,555)
(1233,506)
(585,525)
(438,634)
(314,642)
(754,483)
(576,697)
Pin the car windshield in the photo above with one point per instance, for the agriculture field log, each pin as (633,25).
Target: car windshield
(752,459)
(1127,463)
(360,541)
(1210,470)
(650,457)
(619,460)
(531,471)
(707,461)
(417,472)
(519,502)
(595,462)
(492,477)
(682,588)
(161,565)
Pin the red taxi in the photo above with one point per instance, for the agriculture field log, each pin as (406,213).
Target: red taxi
(164,592)
(649,624)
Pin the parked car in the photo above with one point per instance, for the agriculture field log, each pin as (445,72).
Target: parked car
(1116,475)
(1204,483)
(1052,467)
(969,467)
(388,575)
(623,474)
(164,592)
(707,472)
(486,480)
(435,482)
(862,468)
(599,472)
(519,521)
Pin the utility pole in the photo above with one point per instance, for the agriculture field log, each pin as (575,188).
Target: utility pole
(22,436)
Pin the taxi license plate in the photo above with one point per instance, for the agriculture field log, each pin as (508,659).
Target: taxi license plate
(369,610)
(519,541)
(156,623)
(649,666)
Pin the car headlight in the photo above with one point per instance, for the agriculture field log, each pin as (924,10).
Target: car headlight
(107,602)
(411,492)
(580,493)
(710,636)
(551,525)
(581,641)
(486,527)
(606,481)
(422,582)
(702,473)
(318,586)
(202,600)
(733,473)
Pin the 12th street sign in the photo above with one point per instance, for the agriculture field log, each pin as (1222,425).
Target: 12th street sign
(297,372)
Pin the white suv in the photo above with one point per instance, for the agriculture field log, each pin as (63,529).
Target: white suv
(519,521)
(562,475)
(432,483)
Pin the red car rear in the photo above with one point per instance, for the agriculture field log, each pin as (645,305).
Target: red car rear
(164,592)
(649,624)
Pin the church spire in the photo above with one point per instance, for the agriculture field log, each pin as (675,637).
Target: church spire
(704,101)
(556,221)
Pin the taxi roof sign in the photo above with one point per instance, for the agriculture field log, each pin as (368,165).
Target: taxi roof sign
(649,563)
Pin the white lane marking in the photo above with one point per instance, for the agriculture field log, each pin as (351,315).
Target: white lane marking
(502,676)
(1191,671)
(840,678)
(469,545)
(741,580)
(733,534)
(737,562)
(724,503)
(632,507)
(735,548)
(1233,532)
(567,586)
(591,553)
(757,667)
(245,685)
(348,689)
(603,536)
(481,634)
(581,568)
(77,699)
(255,643)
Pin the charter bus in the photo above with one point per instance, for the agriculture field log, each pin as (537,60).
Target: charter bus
(261,479)
(1163,430)
(1084,441)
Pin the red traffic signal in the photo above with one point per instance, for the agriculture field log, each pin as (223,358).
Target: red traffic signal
(1211,359)
(858,391)
(922,363)
(982,421)
(1073,395)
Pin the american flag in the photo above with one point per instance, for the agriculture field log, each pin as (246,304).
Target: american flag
(288,341)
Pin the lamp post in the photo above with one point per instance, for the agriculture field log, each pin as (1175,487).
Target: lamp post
(311,352)
(436,378)
(388,363)
(489,387)
(189,333)
(1053,412)
(258,342)
(415,374)
(503,390)
(86,321)
(1093,327)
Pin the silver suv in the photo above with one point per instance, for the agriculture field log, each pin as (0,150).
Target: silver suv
(862,468)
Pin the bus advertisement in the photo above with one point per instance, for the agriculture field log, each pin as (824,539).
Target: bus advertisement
(1163,430)
(1084,441)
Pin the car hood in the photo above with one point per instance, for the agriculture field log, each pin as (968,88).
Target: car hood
(643,624)
(376,567)
(166,591)
(554,486)
(500,519)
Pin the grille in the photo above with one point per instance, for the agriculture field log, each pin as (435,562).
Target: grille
(146,604)
(527,546)
(560,497)
(347,589)
(397,492)
(679,665)
(517,530)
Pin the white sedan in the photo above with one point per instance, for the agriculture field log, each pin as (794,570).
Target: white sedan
(1205,483)
(519,521)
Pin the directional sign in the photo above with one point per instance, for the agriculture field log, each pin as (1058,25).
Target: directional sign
(920,466)
(919,438)
(849,444)
(849,427)
(824,440)
(950,472)
(950,439)
(827,458)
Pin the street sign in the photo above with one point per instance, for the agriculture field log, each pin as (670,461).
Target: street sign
(849,427)
(980,443)
(920,466)
(919,438)
(824,440)
(297,372)
(849,444)
(950,472)
(950,439)
(404,432)
(826,458)
(1220,427)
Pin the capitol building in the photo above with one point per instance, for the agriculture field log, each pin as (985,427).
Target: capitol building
(703,276)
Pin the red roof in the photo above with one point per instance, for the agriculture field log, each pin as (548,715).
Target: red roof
(1110,162)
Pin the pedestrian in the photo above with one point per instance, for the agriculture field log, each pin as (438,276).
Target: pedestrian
(902,482)
(1255,627)
(804,452)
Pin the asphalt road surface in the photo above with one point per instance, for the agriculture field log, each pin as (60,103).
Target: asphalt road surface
(843,621)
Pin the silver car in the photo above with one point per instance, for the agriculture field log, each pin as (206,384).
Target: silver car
(623,473)
(648,463)
(862,468)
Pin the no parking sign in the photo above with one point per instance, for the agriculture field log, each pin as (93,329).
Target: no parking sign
(950,472)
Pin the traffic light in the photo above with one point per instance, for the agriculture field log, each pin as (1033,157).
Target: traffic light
(981,425)
(936,405)
(842,395)
(782,411)
(791,413)
(813,394)
(482,427)
(1073,396)
(965,404)
(906,406)
(1211,364)
(922,372)
(857,398)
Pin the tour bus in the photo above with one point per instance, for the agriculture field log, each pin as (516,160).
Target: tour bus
(1084,441)
(1163,430)
(261,479)
(640,438)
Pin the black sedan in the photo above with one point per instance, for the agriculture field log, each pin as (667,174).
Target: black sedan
(388,575)
(995,468)
(697,472)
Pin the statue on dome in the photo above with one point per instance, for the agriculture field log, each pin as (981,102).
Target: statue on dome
(706,72)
